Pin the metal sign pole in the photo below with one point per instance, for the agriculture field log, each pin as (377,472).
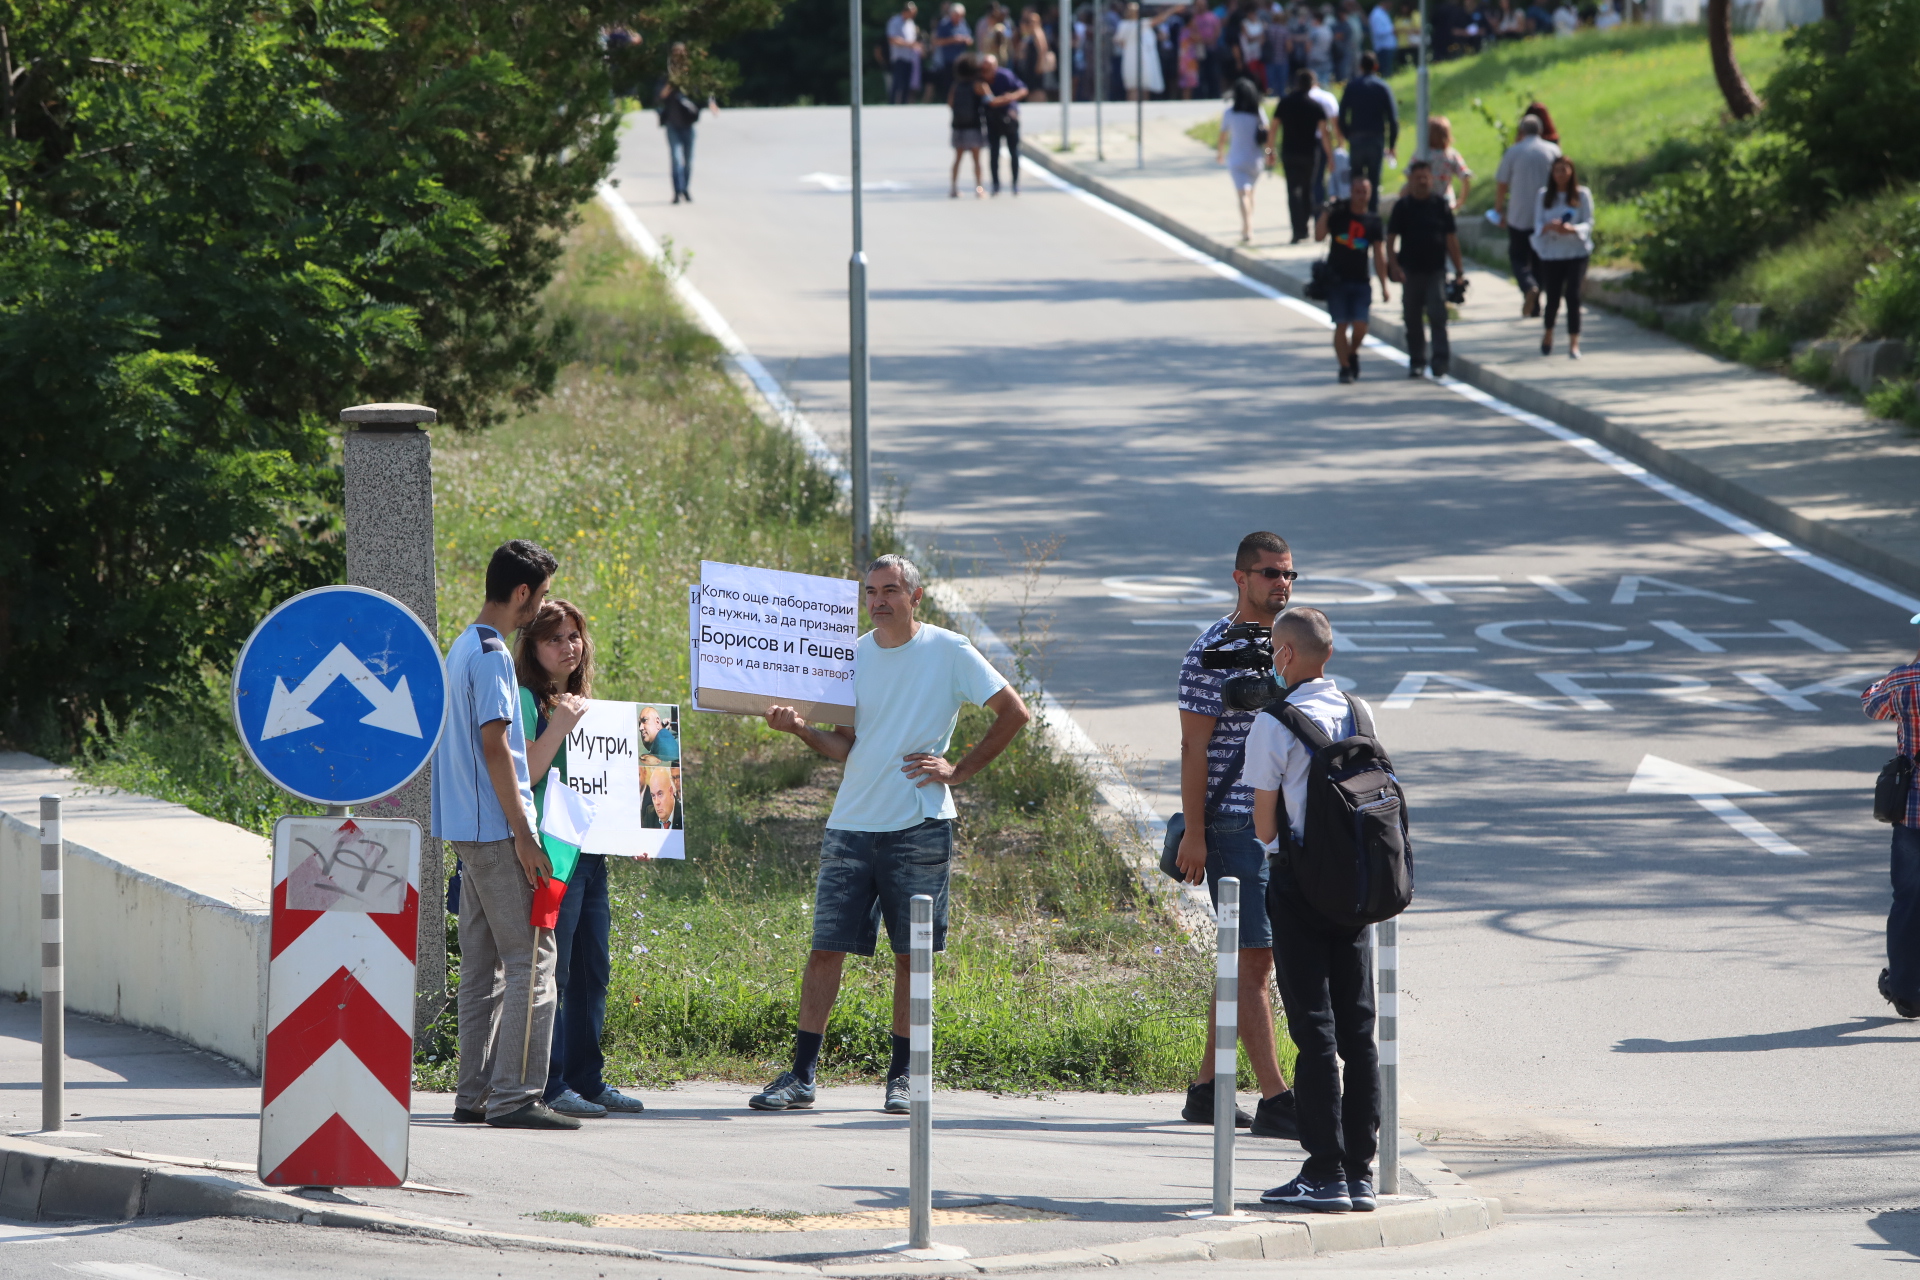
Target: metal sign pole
(1099,83)
(859,368)
(1140,88)
(53,970)
(1423,101)
(1387,935)
(920,1074)
(1063,72)
(1226,1042)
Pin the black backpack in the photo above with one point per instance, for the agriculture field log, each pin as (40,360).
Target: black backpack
(1355,863)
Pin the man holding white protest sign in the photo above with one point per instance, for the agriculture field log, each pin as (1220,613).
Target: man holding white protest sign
(890,836)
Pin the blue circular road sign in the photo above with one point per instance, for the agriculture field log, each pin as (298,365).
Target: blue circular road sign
(340,695)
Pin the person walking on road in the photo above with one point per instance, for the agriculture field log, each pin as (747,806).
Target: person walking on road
(679,112)
(1305,142)
(1896,697)
(1563,242)
(554,664)
(1243,148)
(1219,839)
(1370,122)
(903,54)
(1519,179)
(890,835)
(967,103)
(1324,971)
(483,806)
(1357,243)
(1422,226)
(1001,110)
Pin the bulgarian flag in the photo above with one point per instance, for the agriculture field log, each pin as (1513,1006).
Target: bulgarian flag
(563,827)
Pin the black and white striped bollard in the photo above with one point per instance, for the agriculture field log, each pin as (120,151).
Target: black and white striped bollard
(1226,1041)
(1387,937)
(53,970)
(920,1075)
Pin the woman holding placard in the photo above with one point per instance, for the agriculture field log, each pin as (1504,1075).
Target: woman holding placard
(555,666)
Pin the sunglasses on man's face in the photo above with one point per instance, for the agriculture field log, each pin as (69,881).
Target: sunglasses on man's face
(1270,573)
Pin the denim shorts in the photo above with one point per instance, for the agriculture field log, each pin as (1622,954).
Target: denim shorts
(1234,850)
(1349,301)
(869,875)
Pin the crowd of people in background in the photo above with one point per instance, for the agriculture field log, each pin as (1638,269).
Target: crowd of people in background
(1192,50)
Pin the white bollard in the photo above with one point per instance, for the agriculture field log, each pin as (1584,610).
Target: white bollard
(1226,1041)
(1387,938)
(920,1075)
(53,971)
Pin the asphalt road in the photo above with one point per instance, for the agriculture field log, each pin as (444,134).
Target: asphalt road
(1615,999)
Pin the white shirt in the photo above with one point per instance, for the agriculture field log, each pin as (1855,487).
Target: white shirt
(1328,103)
(1278,761)
(907,700)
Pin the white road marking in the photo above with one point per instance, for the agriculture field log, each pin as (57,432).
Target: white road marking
(1496,633)
(1592,448)
(1404,631)
(1548,585)
(1679,688)
(1197,624)
(1424,587)
(1413,686)
(1783,629)
(1165,589)
(1377,592)
(1634,585)
(1660,777)
(1801,699)
(29,1235)
(840,182)
(127,1271)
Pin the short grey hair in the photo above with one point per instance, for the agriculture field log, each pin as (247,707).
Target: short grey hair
(908,572)
(1529,126)
(1307,630)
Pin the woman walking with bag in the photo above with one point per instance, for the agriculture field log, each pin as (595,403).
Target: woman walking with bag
(1563,240)
(555,668)
(1243,148)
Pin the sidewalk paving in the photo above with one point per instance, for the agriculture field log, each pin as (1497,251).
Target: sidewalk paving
(1807,464)
(1071,1171)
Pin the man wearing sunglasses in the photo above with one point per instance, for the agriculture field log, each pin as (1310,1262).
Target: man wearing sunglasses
(1220,839)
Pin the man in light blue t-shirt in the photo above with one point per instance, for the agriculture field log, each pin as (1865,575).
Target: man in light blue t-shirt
(890,836)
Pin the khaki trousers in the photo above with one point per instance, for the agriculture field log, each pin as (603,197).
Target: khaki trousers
(498,951)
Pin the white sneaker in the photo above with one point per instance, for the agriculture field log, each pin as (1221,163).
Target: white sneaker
(572,1104)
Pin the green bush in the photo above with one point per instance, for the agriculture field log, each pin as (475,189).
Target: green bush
(1705,220)
(1808,283)
(1847,96)
(1887,298)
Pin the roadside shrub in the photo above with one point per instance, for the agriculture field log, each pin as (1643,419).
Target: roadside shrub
(1706,219)
(1848,98)
(1887,298)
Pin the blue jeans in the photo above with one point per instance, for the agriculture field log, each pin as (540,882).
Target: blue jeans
(1903,921)
(1234,850)
(867,876)
(680,156)
(581,975)
(1350,301)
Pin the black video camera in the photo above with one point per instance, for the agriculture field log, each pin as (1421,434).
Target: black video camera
(1246,647)
(1457,290)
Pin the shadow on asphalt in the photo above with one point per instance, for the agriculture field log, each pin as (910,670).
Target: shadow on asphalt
(1837,1033)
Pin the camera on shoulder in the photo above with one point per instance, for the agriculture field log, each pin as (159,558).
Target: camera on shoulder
(1246,647)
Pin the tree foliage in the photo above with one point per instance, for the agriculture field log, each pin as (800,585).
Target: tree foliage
(220,222)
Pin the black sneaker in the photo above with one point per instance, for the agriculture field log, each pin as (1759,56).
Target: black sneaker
(463,1116)
(1346,374)
(899,1102)
(788,1092)
(1900,1006)
(1276,1117)
(1360,1191)
(1353,364)
(1199,1108)
(1327,1196)
(535,1115)
(1416,371)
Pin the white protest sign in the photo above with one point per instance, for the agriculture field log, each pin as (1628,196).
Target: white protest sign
(625,758)
(765,636)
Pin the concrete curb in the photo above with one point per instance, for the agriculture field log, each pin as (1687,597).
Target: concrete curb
(1816,534)
(43,1183)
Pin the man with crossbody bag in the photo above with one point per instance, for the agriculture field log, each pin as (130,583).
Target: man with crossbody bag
(1897,698)
(1220,842)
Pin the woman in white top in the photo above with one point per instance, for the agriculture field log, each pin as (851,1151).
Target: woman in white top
(1142,64)
(1563,239)
(1242,148)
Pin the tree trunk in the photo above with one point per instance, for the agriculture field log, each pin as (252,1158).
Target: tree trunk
(1741,101)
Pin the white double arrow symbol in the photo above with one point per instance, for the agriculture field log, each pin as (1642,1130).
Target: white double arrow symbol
(1658,777)
(392,708)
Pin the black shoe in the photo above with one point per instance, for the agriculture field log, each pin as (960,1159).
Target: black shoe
(1360,1191)
(1439,372)
(1416,371)
(1353,363)
(1346,374)
(535,1115)
(676,197)
(1199,1108)
(463,1116)
(1900,1006)
(1328,1196)
(687,196)
(899,1097)
(1276,1117)
(788,1092)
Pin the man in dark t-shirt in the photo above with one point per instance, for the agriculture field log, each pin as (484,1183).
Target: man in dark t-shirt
(1304,141)
(1356,241)
(1422,227)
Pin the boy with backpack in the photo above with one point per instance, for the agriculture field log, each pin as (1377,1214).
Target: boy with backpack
(1330,814)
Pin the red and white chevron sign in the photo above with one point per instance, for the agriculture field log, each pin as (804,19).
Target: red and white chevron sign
(338,1084)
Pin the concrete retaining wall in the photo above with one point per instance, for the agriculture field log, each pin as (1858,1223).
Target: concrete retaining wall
(166,911)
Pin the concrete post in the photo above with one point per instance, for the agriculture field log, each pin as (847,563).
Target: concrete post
(389,491)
